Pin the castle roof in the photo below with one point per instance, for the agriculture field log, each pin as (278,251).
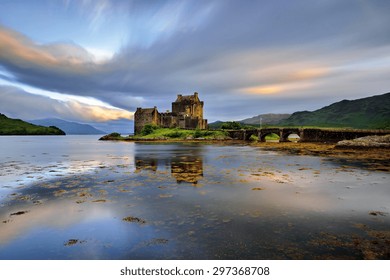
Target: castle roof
(188,98)
(147,110)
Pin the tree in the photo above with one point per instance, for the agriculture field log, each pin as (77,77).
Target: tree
(231,125)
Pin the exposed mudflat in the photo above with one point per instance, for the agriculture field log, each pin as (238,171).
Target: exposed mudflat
(374,158)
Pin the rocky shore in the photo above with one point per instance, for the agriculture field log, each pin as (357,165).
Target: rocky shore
(373,152)
(366,142)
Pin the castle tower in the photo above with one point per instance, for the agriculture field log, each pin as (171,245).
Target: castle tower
(188,105)
(189,109)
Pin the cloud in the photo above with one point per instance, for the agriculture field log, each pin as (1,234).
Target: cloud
(20,51)
(261,53)
(93,113)
(18,103)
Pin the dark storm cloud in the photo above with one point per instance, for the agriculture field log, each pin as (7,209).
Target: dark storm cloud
(242,57)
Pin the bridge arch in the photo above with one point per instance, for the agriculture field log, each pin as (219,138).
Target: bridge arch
(272,137)
(267,131)
(248,133)
(286,132)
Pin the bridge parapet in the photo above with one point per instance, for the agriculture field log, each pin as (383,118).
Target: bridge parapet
(335,135)
(306,134)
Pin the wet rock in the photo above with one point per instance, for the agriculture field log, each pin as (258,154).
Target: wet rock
(131,219)
(377,213)
(59,192)
(157,241)
(99,200)
(19,213)
(366,142)
(84,194)
(165,195)
(72,242)
(24,197)
(304,168)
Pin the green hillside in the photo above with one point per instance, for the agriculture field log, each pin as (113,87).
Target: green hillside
(266,119)
(18,127)
(366,113)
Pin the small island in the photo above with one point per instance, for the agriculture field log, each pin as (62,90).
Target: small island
(184,122)
(155,133)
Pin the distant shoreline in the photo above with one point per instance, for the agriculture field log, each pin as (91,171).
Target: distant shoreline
(374,158)
(170,140)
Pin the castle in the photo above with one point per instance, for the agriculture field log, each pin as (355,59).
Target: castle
(187,113)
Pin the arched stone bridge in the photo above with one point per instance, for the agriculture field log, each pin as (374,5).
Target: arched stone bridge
(306,134)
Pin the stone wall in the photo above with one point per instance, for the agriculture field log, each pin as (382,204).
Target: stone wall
(334,135)
(168,120)
(145,116)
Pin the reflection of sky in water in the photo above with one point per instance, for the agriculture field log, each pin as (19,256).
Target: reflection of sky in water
(26,160)
(186,201)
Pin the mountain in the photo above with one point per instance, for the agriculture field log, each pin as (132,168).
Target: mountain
(10,126)
(69,127)
(370,113)
(266,119)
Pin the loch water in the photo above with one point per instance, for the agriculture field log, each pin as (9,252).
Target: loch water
(74,197)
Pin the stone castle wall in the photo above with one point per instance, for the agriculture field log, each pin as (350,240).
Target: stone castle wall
(168,120)
(145,116)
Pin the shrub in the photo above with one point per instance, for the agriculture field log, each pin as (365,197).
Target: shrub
(148,129)
(203,133)
(253,138)
(198,133)
(174,134)
(114,134)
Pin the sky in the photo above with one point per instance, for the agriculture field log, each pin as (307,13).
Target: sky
(96,61)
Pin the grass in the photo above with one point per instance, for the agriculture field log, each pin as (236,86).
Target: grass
(272,136)
(157,133)
(177,133)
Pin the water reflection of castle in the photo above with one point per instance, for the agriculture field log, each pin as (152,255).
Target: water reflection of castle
(187,169)
(184,167)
